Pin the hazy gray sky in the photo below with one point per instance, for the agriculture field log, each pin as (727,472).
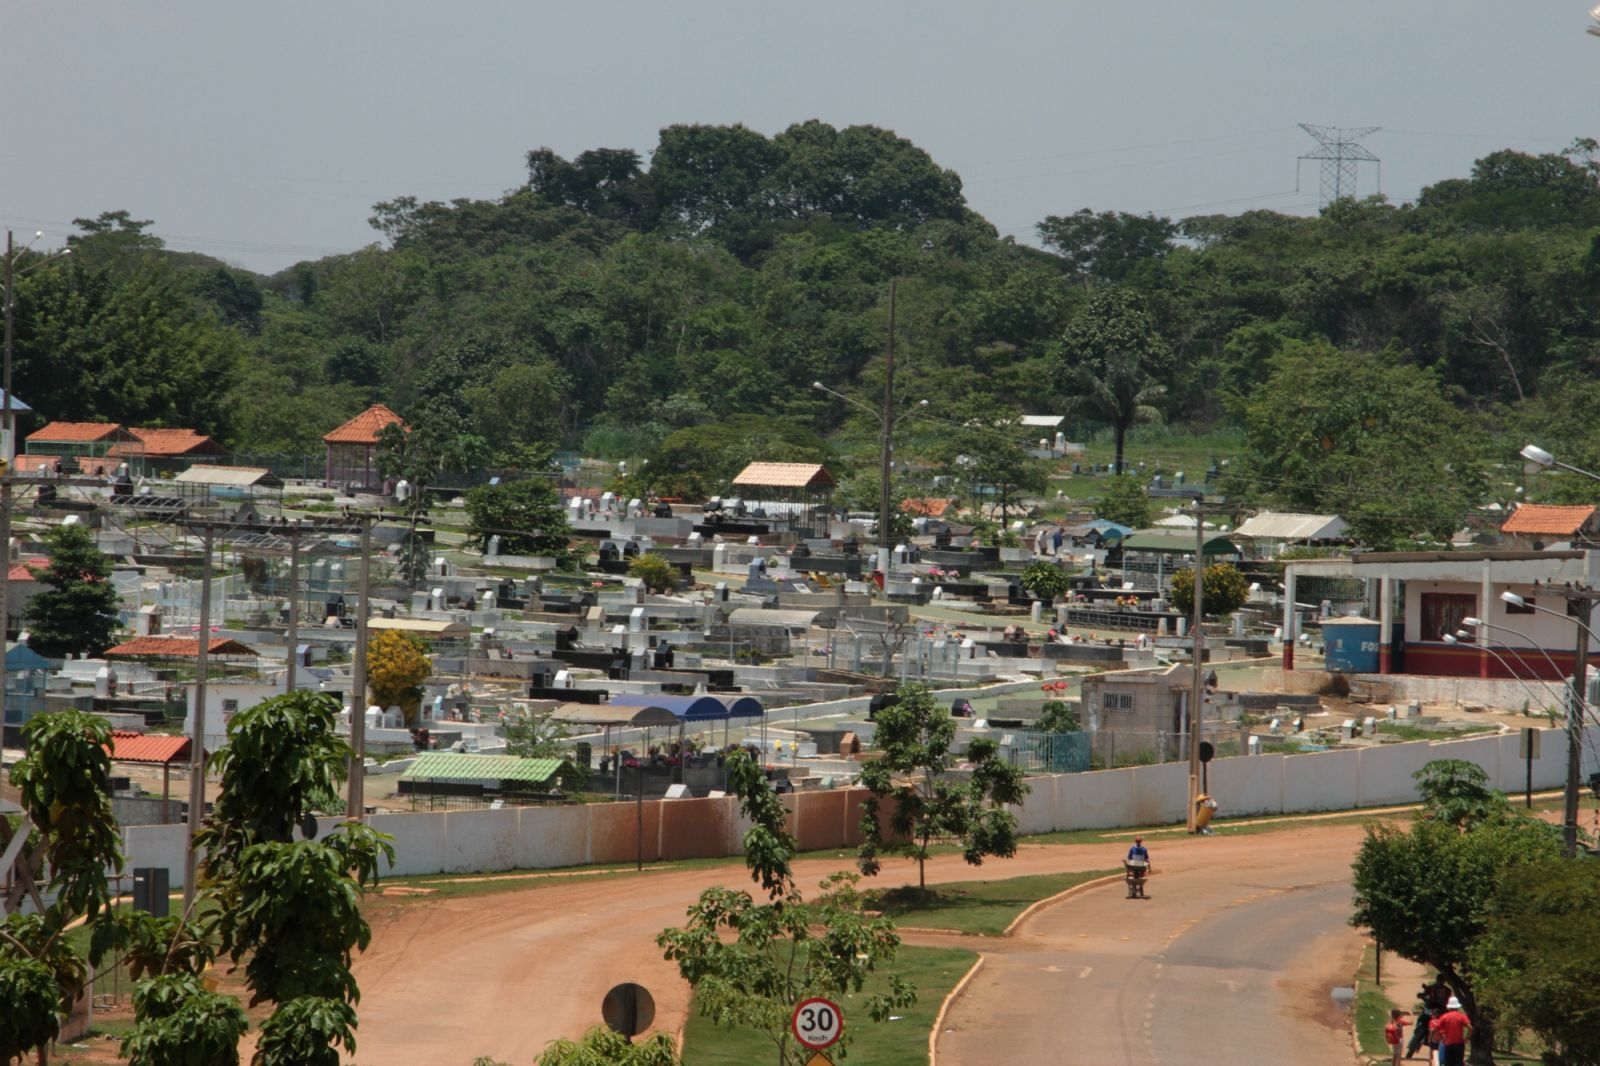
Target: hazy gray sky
(263,133)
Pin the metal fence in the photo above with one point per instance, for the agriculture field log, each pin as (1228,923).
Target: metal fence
(1048,753)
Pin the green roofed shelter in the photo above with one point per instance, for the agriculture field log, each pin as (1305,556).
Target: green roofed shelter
(492,770)
(1167,542)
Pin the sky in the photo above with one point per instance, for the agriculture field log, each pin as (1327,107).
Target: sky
(263,133)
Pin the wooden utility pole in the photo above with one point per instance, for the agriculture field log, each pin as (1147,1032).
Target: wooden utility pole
(197,731)
(1197,690)
(886,449)
(357,802)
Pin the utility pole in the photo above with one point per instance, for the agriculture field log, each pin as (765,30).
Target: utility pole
(1197,690)
(197,732)
(357,801)
(5,590)
(886,447)
(11,303)
(293,635)
(1580,607)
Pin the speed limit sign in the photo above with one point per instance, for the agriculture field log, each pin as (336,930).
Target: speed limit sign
(817,1023)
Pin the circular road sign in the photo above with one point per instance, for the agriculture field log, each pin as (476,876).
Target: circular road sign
(628,1009)
(817,1023)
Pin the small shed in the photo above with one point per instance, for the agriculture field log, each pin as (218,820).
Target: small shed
(442,773)
(804,487)
(151,749)
(1271,531)
(224,480)
(162,452)
(352,449)
(430,628)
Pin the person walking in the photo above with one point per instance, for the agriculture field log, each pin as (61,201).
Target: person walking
(1452,1028)
(1055,540)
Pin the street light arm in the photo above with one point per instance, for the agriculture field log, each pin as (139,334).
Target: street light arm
(820,387)
(1538,456)
(1475,623)
(1449,639)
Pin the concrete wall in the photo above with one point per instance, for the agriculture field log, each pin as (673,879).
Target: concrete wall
(612,833)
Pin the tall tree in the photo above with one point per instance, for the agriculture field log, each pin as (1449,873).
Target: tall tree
(916,737)
(76,614)
(1426,895)
(525,515)
(1105,247)
(1111,362)
(750,963)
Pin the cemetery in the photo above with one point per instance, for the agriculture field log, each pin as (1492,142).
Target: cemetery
(557,692)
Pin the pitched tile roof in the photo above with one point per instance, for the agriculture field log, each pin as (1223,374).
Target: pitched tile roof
(154,748)
(20,571)
(364,427)
(166,442)
(176,648)
(785,476)
(1548,519)
(76,432)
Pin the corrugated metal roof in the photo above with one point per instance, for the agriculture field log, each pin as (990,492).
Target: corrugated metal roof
(1042,421)
(785,476)
(758,616)
(232,476)
(1548,518)
(614,714)
(431,627)
(454,766)
(1272,525)
(364,427)
(1161,541)
(152,748)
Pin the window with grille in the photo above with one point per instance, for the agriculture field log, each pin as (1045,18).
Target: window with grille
(1119,701)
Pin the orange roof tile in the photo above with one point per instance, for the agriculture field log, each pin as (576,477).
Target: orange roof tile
(166,442)
(785,476)
(176,648)
(20,571)
(1548,519)
(365,427)
(154,748)
(75,432)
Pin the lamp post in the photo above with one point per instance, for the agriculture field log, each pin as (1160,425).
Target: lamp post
(887,421)
(1581,601)
(11,272)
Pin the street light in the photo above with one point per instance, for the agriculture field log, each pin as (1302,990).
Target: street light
(1477,623)
(1580,607)
(10,420)
(886,447)
(1539,457)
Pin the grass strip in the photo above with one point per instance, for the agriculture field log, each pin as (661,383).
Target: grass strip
(977,908)
(903,1042)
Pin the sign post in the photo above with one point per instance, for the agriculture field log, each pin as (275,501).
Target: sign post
(1529,752)
(817,1023)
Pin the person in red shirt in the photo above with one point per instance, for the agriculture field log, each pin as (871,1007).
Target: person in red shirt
(1394,1034)
(1450,1031)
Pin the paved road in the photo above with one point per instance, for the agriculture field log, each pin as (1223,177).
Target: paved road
(501,975)
(1232,959)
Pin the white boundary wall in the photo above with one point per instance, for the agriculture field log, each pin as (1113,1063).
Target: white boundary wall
(547,837)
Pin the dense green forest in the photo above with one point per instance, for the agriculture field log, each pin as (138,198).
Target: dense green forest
(1381,360)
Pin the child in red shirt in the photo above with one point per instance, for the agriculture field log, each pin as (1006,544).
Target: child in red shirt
(1394,1034)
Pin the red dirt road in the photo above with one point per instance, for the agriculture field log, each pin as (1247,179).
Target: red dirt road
(504,974)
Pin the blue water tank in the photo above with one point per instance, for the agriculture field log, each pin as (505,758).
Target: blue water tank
(1350,645)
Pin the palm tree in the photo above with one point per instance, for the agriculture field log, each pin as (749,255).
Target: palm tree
(1109,360)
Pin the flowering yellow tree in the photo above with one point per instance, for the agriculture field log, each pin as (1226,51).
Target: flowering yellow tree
(397,665)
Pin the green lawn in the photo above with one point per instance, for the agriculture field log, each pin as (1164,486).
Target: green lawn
(904,1042)
(978,908)
(1372,1008)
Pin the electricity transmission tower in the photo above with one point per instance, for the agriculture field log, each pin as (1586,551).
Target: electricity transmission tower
(1340,153)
